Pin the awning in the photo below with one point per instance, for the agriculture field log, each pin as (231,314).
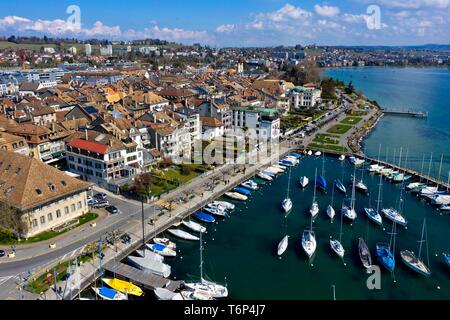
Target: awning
(58,154)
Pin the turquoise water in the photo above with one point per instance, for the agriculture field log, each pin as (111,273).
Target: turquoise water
(421,89)
(242,248)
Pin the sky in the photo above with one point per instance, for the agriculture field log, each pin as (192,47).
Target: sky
(234,23)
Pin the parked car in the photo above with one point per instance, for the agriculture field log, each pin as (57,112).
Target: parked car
(112,209)
(125,238)
(2,253)
(100,196)
(101,204)
(91,201)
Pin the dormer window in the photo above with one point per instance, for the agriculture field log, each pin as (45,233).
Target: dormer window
(38,191)
(51,186)
(63,183)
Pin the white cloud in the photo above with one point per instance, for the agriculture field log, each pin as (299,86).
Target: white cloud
(226,28)
(326,11)
(354,18)
(19,25)
(288,12)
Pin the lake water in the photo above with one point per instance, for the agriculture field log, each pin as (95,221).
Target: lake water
(420,89)
(242,248)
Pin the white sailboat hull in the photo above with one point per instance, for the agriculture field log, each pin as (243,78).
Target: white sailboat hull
(282,246)
(183,235)
(194,226)
(331,212)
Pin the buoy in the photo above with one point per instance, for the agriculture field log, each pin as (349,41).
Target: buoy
(212,239)
(438,287)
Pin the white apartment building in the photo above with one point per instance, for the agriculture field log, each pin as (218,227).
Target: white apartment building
(304,98)
(265,122)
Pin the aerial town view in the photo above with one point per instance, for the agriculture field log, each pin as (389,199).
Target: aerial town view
(203,150)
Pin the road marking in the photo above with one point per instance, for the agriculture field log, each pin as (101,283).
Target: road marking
(5,279)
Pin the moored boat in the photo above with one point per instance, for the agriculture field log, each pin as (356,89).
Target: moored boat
(282,246)
(309,243)
(304,181)
(364,253)
(242,191)
(153,266)
(236,196)
(414,263)
(223,204)
(203,217)
(123,286)
(394,216)
(447,258)
(217,211)
(161,250)
(342,158)
(340,186)
(183,234)
(194,226)
(109,294)
(166,242)
(264,176)
(385,256)
(250,184)
(150,254)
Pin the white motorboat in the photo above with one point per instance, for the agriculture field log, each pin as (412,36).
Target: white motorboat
(250,184)
(342,158)
(280,167)
(337,247)
(414,185)
(167,295)
(439,200)
(310,153)
(198,294)
(309,243)
(264,176)
(194,226)
(183,234)
(161,250)
(356,161)
(445,208)
(217,211)
(149,254)
(318,153)
(147,264)
(375,168)
(428,191)
(223,204)
(166,242)
(282,246)
(395,216)
(304,181)
(272,171)
(275,169)
(236,196)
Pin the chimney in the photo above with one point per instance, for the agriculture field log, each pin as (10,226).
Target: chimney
(110,142)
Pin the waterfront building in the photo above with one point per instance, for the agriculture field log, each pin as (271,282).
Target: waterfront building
(103,159)
(88,49)
(263,121)
(304,97)
(37,197)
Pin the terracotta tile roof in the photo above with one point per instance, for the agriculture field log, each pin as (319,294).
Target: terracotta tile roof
(89,146)
(211,122)
(26,182)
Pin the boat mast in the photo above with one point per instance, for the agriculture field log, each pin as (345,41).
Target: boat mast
(340,233)
(315,187)
(439,175)
(353,190)
(332,191)
(289,183)
(201,257)
(379,193)
(429,167)
(421,170)
(421,238)
(334,292)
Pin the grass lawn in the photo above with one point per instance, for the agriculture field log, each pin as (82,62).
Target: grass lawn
(326,139)
(327,147)
(7,239)
(339,129)
(359,113)
(351,120)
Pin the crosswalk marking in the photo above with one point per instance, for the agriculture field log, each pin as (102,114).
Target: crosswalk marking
(4,279)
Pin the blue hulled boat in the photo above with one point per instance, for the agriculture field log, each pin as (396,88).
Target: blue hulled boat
(204,217)
(447,258)
(385,256)
(243,191)
(321,183)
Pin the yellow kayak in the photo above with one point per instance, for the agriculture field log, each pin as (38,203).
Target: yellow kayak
(124,286)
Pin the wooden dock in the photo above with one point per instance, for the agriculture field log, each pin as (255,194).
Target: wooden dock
(141,278)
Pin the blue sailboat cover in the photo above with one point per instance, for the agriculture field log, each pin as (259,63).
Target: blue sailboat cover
(107,292)
(386,258)
(321,182)
(204,217)
(243,191)
(158,247)
(295,155)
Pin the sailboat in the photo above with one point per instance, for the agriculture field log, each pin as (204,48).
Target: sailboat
(330,210)
(287,202)
(315,206)
(374,215)
(282,246)
(161,250)
(364,253)
(194,226)
(395,215)
(337,245)
(414,262)
(166,242)
(349,211)
(104,292)
(304,181)
(447,258)
(309,243)
(321,182)
(124,286)
(226,205)
(214,289)
(340,186)
(384,253)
